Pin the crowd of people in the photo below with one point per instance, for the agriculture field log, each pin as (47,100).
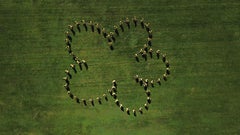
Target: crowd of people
(144,53)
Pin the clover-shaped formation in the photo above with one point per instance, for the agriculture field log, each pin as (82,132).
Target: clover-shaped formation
(146,52)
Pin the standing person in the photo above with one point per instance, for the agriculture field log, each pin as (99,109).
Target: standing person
(121,26)
(128,23)
(98,28)
(105,97)
(91,25)
(168,71)
(150,52)
(147,26)
(79,64)
(66,86)
(66,80)
(158,53)
(149,41)
(104,32)
(84,102)
(134,112)
(67,41)
(164,57)
(128,111)
(116,30)
(150,34)
(159,81)
(140,110)
(110,44)
(99,100)
(144,55)
(85,25)
(136,78)
(135,21)
(71,29)
(78,26)
(85,64)
(68,36)
(91,101)
(68,73)
(136,57)
(112,36)
(69,49)
(121,107)
(73,67)
(109,38)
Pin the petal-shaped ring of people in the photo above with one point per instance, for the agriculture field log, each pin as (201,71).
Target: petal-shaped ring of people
(82,64)
(145,52)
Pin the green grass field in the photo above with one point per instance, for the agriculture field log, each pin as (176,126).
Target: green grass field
(202,42)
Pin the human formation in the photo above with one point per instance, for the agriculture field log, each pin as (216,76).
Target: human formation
(145,53)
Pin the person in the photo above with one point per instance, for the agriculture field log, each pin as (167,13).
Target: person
(85,64)
(147,26)
(98,28)
(104,32)
(110,44)
(114,83)
(77,99)
(128,111)
(71,29)
(140,110)
(135,21)
(69,49)
(73,67)
(136,78)
(150,34)
(116,30)
(68,73)
(150,52)
(121,26)
(117,102)
(85,25)
(105,97)
(128,23)
(136,57)
(148,93)
(121,107)
(112,36)
(91,101)
(146,106)
(168,71)
(66,86)
(158,53)
(159,81)
(164,57)
(68,36)
(152,83)
(66,80)
(91,25)
(149,41)
(134,112)
(144,55)
(84,102)
(67,41)
(70,94)
(79,64)
(99,100)
(78,26)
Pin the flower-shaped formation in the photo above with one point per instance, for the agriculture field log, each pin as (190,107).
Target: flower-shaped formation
(145,53)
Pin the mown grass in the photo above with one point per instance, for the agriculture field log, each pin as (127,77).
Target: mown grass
(201,39)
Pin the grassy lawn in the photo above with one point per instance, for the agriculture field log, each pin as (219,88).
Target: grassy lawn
(201,39)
